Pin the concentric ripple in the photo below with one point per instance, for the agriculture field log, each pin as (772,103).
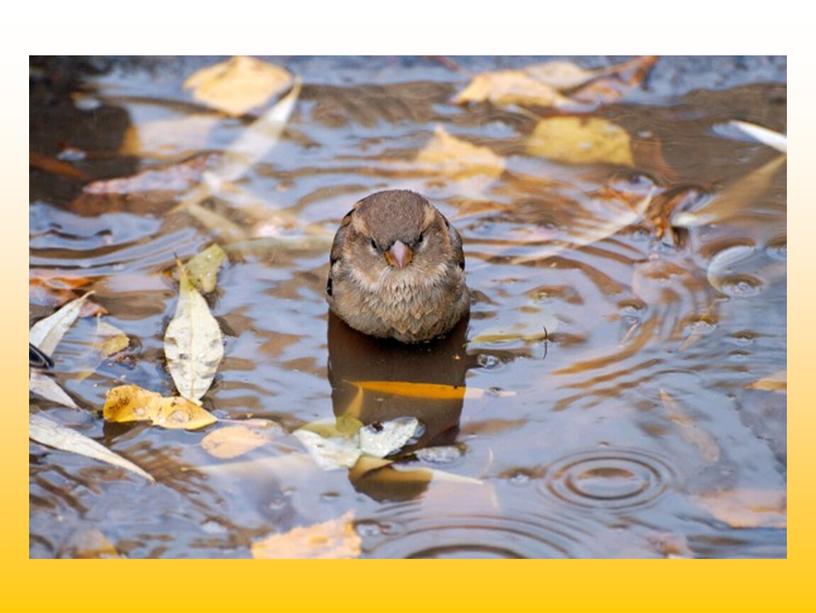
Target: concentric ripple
(478,536)
(611,479)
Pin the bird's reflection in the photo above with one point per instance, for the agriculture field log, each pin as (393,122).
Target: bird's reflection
(354,356)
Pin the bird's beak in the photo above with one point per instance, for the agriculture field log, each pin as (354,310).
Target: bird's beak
(399,255)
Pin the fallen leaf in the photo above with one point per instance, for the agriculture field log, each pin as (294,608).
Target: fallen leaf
(238,85)
(614,82)
(49,164)
(432,391)
(329,453)
(689,430)
(48,332)
(719,267)
(335,538)
(52,434)
(734,199)
(455,158)
(763,135)
(232,441)
(193,344)
(506,87)
(111,340)
(169,138)
(581,140)
(777,382)
(45,386)
(203,268)
(132,403)
(385,438)
(747,508)
(560,75)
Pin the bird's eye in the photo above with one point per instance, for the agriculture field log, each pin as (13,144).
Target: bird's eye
(421,237)
(374,244)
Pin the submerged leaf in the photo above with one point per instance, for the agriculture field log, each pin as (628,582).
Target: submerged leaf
(506,87)
(335,538)
(452,157)
(581,140)
(132,403)
(238,85)
(777,382)
(203,268)
(111,339)
(232,441)
(746,508)
(45,386)
(47,333)
(433,391)
(50,433)
(193,343)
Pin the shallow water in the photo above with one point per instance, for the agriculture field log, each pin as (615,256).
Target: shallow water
(603,437)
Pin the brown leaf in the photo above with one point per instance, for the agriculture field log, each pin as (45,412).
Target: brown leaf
(232,441)
(747,508)
(335,538)
(132,403)
(238,85)
(615,81)
(58,167)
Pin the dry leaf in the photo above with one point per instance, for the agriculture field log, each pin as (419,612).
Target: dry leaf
(193,344)
(329,453)
(455,158)
(232,441)
(385,438)
(45,386)
(560,75)
(203,268)
(777,382)
(91,544)
(581,140)
(510,87)
(335,538)
(52,434)
(744,508)
(48,332)
(132,403)
(238,85)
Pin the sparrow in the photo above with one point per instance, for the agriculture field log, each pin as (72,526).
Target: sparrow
(397,269)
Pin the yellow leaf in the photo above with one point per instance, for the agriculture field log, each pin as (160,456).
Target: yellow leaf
(238,85)
(90,544)
(232,441)
(132,403)
(581,140)
(743,508)
(432,391)
(510,87)
(777,382)
(203,268)
(112,339)
(335,538)
(450,156)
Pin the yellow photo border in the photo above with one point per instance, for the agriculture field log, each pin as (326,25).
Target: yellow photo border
(462,585)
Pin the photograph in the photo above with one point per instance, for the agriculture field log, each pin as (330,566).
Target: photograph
(407,306)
